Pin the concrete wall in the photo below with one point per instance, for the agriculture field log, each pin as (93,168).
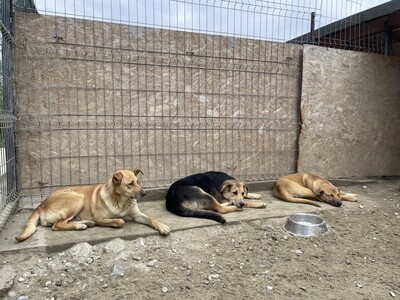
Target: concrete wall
(350,110)
(94,97)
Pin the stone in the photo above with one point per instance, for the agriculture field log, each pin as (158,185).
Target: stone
(119,268)
(80,252)
(7,275)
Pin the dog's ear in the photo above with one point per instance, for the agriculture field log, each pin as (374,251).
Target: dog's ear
(137,171)
(117,177)
(246,189)
(226,185)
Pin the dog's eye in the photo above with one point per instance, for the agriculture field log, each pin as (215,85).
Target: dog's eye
(131,184)
(235,192)
(242,193)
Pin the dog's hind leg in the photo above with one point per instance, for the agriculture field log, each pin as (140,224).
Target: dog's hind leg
(65,225)
(283,194)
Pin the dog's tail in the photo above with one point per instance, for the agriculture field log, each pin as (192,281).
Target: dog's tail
(30,226)
(204,214)
(180,210)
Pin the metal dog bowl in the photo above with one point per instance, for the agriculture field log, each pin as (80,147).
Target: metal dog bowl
(305,225)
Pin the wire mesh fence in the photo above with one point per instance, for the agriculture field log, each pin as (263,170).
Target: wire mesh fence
(172,87)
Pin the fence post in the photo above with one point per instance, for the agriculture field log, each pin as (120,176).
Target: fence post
(312,29)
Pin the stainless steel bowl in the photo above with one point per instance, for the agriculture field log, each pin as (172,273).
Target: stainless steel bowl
(305,225)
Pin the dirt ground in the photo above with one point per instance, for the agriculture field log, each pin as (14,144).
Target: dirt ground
(358,258)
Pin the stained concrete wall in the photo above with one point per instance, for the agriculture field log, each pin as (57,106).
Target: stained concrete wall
(94,97)
(350,109)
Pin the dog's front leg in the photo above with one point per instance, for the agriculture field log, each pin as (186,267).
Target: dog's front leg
(254,204)
(117,223)
(253,196)
(140,217)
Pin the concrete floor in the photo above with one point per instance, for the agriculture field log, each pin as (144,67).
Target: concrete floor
(44,239)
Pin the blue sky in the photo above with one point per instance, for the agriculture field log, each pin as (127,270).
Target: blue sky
(260,19)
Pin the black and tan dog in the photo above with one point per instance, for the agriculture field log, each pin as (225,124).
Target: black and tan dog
(307,188)
(207,195)
(79,207)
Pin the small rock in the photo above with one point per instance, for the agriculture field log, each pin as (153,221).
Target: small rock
(269,226)
(80,252)
(58,283)
(115,246)
(89,260)
(269,288)
(136,258)
(7,275)
(164,289)
(364,187)
(23,297)
(393,294)
(140,241)
(359,285)
(361,206)
(119,268)
(152,263)
(213,277)
(298,252)
(11,294)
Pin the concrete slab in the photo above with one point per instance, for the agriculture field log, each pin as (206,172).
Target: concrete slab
(44,239)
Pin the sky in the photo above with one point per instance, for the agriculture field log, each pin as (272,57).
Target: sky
(277,20)
(371,3)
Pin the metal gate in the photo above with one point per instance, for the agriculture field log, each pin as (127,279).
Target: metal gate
(9,192)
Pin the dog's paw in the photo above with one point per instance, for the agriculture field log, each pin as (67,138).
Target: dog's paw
(80,226)
(163,229)
(90,224)
(263,205)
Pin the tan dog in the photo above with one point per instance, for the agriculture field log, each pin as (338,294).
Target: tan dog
(79,207)
(305,187)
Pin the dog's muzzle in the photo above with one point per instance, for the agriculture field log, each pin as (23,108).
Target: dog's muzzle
(337,203)
(139,196)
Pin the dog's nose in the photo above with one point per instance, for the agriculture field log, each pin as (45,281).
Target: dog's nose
(142,193)
(241,203)
(338,204)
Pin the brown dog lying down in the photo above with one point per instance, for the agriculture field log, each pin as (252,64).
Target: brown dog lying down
(306,187)
(79,207)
